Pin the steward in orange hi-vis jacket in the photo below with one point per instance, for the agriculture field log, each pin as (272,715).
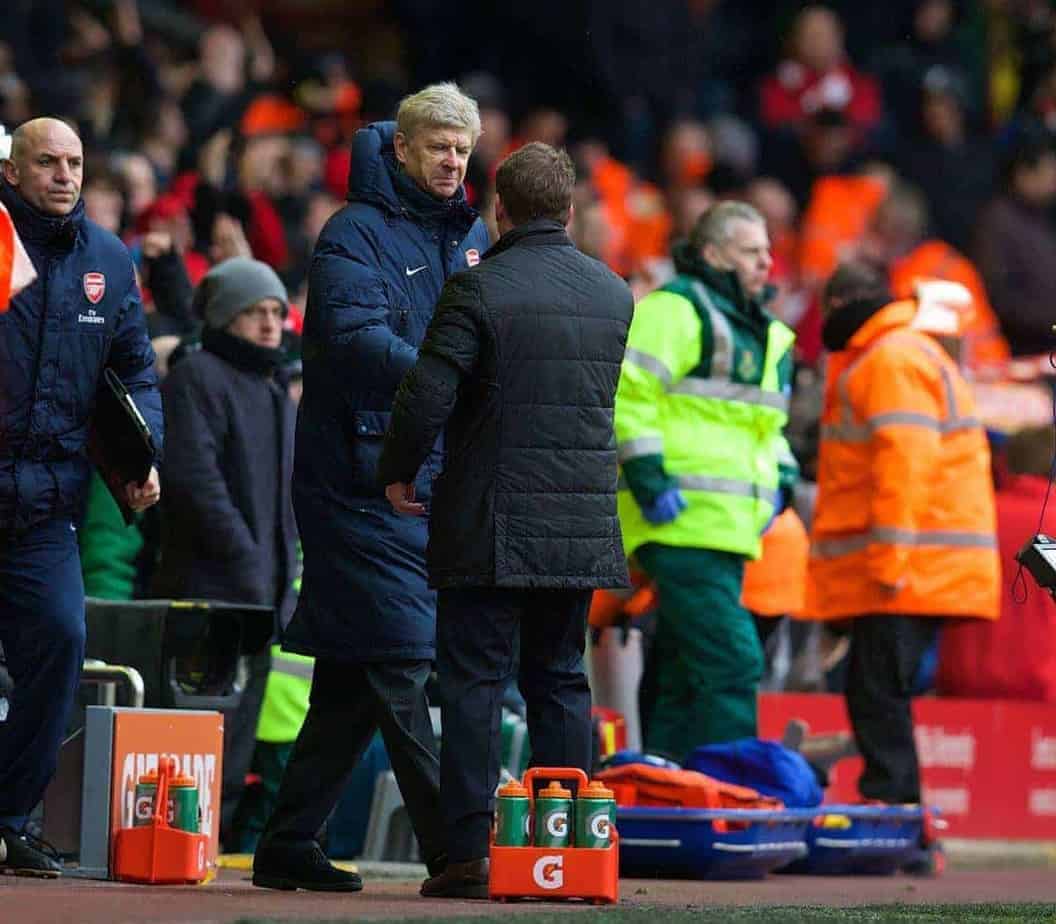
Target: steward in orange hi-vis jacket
(16,270)
(904,525)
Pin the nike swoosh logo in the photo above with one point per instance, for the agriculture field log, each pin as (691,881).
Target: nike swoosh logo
(411,272)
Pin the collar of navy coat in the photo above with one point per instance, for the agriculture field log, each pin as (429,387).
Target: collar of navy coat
(374,177)
(34,227)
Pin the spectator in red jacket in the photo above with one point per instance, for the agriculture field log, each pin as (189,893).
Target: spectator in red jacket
(1014,657)
(817,75)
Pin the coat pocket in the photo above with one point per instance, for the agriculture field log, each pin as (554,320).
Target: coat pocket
(368,433)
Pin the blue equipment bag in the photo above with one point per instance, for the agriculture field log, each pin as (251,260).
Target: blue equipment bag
(765,766)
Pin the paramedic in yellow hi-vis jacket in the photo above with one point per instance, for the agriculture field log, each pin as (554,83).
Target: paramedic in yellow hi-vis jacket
(700,409)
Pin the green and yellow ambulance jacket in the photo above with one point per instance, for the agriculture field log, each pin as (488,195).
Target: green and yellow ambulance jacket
(701,404)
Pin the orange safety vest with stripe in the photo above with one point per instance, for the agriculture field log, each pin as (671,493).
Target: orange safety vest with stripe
(904,521)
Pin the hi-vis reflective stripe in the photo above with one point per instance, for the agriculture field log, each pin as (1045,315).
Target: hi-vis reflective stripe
(729,391)
(301,669)
(727,486)
(721,334)
(861,433)
(849,432)
(649,364)
(719,486)
(640,446)
(892,535)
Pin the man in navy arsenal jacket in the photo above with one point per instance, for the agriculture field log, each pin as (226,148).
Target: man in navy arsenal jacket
(81,315)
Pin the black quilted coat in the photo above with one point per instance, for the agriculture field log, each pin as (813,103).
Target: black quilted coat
(520,362)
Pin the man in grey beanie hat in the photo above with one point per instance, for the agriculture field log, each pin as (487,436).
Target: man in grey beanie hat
(228,531)
(234,286)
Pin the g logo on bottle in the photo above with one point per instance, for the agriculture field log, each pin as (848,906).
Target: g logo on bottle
(548,872)
(599,827)
(144,808)
(557,824)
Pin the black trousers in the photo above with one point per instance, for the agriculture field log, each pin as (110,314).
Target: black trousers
(886,651)
(477,632)
(349,702)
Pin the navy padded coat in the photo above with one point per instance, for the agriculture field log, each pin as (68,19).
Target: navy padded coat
(81,314)
(375,279)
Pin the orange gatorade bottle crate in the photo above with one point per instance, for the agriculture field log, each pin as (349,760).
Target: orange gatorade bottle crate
(155,851)
(549,845)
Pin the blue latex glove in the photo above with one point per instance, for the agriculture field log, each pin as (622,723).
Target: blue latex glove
(665,508)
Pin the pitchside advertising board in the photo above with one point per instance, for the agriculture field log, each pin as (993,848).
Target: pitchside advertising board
(988,765)
(123,744)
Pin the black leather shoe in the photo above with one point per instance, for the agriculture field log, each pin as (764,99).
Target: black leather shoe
(25,855)
(300,866)
(460,880)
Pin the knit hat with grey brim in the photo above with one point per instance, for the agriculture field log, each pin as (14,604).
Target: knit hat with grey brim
(231,287)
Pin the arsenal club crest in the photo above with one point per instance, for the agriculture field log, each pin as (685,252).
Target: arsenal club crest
(472,256)
(94,287)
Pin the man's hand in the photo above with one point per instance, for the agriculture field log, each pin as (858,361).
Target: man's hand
(401,496)
(155,243)
(142,496)
(229,239)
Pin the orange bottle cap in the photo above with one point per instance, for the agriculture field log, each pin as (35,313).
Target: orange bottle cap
(514,790)
(554,790)
(595,789)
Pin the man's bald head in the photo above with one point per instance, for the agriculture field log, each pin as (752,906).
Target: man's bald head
(46,165)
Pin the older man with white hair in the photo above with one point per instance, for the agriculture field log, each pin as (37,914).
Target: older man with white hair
(366,612)
(699,415)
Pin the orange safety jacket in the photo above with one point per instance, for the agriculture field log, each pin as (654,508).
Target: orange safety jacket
(985,345)
(644,784)
(904,520)
(16,269)
(776,583)
(835,220)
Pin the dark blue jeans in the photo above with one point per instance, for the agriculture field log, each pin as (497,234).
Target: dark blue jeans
(476,632)
(42,632)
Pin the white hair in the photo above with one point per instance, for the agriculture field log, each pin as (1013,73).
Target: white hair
(439,105)
(713,227)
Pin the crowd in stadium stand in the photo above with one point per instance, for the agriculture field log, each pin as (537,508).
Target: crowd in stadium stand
(920,139)
(915,135)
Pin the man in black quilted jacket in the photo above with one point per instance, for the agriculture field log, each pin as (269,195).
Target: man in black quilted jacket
(520,365)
